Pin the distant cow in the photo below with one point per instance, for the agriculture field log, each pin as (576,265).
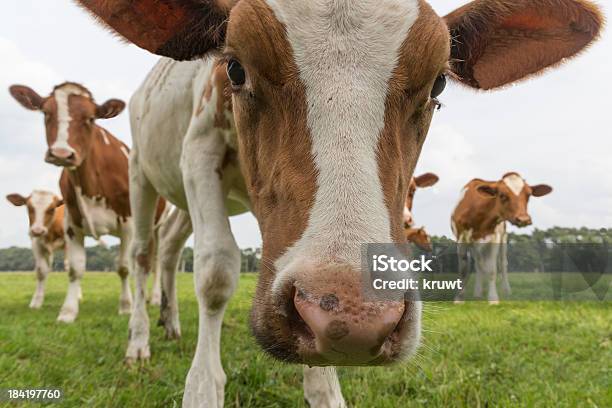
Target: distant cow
(479,224)
(312,114)
(46,215)
(417,236)
(94,182)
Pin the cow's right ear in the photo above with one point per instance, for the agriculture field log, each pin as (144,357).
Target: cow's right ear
(179,29)
(59,202)
(27,97)
(17,199)
(426,180)
(488,190)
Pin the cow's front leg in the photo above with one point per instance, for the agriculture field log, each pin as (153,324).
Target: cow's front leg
(322,388)
(487,266)
(75,246)
(216,266)
(123,270)
(43,266)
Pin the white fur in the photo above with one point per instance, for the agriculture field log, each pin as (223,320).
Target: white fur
(99,218)
(62,96)
(346,52)
(322,388)
(515,183)
(104,136)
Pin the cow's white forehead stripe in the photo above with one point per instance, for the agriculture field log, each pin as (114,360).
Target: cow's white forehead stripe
(62,96)
(346,51)
(515,183)
(40,202)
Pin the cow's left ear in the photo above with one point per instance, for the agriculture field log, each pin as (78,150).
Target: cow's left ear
(426,180)
(59,202)
(497,42)
(110,109)
(541,190)
(17,199)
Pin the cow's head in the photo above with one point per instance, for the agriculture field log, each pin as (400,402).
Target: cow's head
(70,115)
(511,195)
(41,207)
(332,101)
(422,181)
(419,237)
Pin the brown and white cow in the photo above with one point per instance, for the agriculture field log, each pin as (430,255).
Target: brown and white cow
(479,224)
(94,182)
(331,101)
(46,217)
(417,236)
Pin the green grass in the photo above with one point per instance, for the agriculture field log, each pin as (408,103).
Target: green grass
(548,354)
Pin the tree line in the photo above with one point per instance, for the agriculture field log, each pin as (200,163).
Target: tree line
(102,258)
(543,250)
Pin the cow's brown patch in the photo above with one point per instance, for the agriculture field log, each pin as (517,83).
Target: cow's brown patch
(409,110)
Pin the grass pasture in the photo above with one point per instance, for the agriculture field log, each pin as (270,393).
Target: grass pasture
(525,354)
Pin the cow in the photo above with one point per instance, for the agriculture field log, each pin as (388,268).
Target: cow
(94,181)
(479,225)
(310,114)
(417,236)
(46,217)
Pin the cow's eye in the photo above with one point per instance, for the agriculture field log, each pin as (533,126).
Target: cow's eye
(236,73)
(439,86)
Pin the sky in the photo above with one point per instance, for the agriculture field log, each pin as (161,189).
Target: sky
(554,129)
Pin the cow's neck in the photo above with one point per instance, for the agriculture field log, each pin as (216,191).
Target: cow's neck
(86,177)
(485,220)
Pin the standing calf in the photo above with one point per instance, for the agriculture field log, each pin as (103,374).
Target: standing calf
(479,224)
(46,216)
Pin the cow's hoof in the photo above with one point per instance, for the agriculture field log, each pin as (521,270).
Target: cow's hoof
(137,353)
(493,302)
(204,388)
(459,302)
(171,326)
(67,316)
(155,299)
(173,332)
(36,304)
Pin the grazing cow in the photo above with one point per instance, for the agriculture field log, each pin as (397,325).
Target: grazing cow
(94,182)
(417,236)
(479,224)
(46,216)
(330,104)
